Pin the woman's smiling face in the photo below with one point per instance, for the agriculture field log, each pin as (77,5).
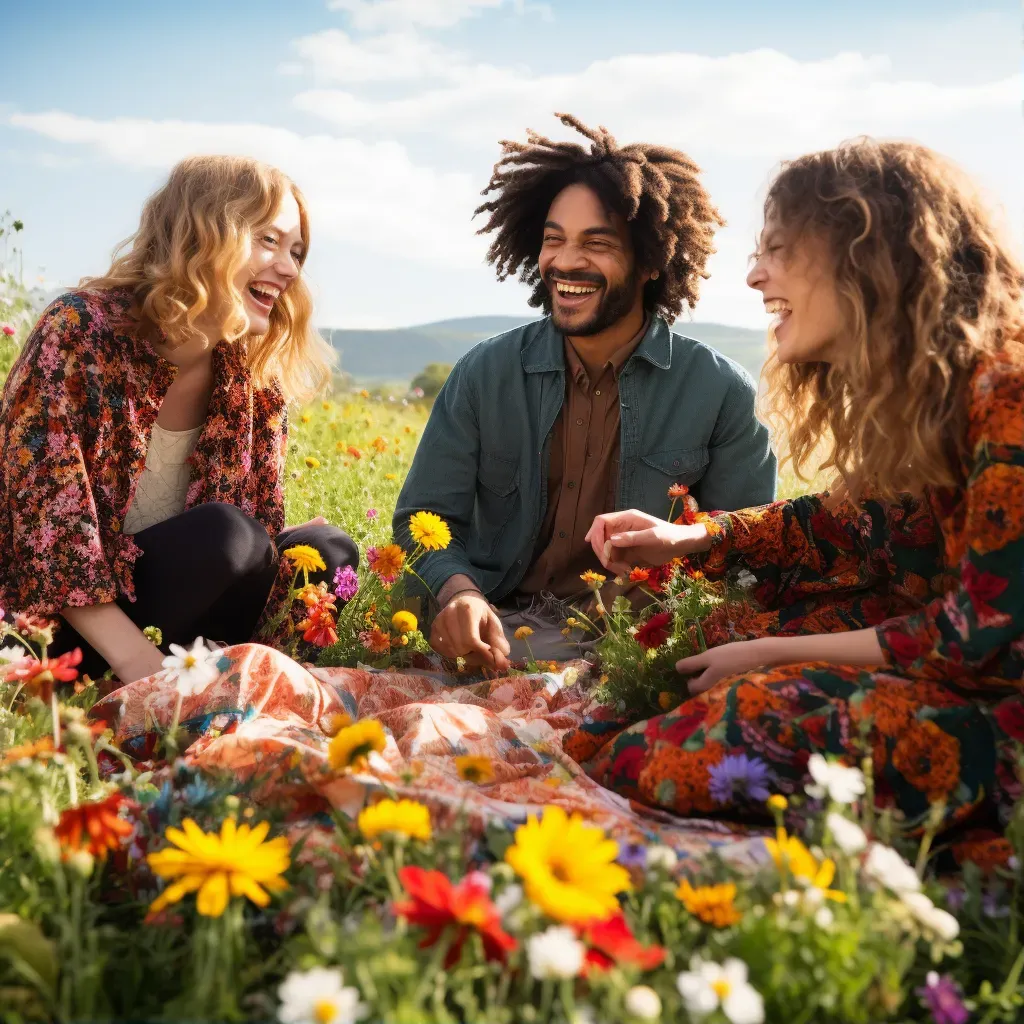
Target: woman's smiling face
(795,278)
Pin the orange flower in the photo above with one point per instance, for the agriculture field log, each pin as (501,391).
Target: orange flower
(639,574)
(929,759)
(713,904)
(375,640)
(386,562)
(96,826)
(678,491)
(354,452)
(379,444)
(41,749)
(678,779)
(319,627)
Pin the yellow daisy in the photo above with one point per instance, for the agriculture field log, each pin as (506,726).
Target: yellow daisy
(235,863)
(791,854)
(713,904)
(430,530)
(523,632)
(568,867)
(312,461)
(352,745)
(592,578)
(404,622)
(397,817)
(305,558)
(475,768)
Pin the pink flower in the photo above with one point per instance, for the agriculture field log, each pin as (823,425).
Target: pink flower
(372,513)
(346,583)
(8,330)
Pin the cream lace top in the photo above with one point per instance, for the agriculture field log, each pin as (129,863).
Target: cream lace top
(163,485)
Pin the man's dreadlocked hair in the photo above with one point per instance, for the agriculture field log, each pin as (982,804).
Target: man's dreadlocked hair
(670,215)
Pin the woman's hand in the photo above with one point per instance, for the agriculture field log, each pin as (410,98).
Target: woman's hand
(729,660)
(624,539)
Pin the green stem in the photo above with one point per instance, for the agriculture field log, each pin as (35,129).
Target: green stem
(120,755)
(71,771)
(55,712)
(547,995)
(568,998)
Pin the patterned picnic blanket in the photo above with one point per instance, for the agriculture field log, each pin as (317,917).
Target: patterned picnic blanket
(265,719)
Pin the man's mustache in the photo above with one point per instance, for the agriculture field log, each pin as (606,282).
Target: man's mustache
(572,278)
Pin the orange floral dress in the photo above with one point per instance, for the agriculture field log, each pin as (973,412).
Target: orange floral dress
(940,580)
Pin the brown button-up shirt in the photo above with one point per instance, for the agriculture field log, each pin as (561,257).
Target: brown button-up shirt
(583,476)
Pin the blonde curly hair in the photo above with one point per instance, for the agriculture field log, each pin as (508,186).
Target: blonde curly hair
(928,286)
(193,238)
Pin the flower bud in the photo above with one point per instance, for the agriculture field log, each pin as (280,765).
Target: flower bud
(81,862)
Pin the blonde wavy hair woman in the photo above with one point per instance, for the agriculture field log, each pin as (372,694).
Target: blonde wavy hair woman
(143,427)
(891,620)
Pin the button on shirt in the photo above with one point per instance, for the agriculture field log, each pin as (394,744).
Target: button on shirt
(583,474)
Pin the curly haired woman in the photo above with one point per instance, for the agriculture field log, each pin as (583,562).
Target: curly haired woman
(143,427)
(891,616)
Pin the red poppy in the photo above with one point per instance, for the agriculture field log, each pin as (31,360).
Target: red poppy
(660,575)
(655,631)
(41,674)
(437,905)
(96,827)
(611,943)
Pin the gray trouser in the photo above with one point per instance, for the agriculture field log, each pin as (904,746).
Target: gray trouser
(546,616)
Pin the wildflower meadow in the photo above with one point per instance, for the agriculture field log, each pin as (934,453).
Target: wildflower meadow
(135,885)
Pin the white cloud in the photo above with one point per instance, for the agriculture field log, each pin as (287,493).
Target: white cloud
(367,192)
(755,104)
(334,56)
(373,15)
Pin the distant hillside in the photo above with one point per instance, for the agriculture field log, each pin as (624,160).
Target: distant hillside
(403,351)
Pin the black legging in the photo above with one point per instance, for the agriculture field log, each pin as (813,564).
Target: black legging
(208,572)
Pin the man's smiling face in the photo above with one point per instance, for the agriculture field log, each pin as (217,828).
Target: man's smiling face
(587,263)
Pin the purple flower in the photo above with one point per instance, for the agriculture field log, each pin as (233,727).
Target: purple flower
(942,997)
(632,855)
(739,776)
(956,897)
(995,904)
(346,583)
(372,513)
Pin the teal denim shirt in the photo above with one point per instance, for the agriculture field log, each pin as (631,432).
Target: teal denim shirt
(687,417)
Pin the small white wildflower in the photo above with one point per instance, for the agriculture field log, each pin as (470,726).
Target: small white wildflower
(824,917)
(934,919)
(555,953)
(885,866)
(195,668)
(707,986)
(661,856)
(848,835)
(319,996)
(841,784)
(643,1002)
(11,653)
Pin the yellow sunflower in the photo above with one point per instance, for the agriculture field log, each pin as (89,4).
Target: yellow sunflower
(568,867)
(475,768)
(404,622)
(397,817)
(305,558)
(430,530)
(352,745)
(235,863)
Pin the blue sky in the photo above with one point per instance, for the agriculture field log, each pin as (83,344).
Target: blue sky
(388,114)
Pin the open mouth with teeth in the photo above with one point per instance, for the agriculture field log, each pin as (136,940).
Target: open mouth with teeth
(780,310)
(571,295)
(264,295)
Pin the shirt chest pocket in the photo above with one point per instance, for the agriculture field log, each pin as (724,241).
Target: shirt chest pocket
(497,497)
(659,470)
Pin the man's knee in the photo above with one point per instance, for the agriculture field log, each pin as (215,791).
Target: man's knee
(236,544)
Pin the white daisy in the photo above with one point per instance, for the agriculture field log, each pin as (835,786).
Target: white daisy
(195,668)
(848,835)
(319,996)
(643,1002)
(706,987)
(886,867)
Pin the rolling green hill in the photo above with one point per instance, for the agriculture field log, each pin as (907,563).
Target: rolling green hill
(402,352)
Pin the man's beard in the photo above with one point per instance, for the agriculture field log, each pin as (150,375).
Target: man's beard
(616,303)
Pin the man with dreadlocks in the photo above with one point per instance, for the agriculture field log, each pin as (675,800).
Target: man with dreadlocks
(597,407)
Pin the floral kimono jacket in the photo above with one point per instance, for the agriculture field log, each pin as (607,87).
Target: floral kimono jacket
(75,419)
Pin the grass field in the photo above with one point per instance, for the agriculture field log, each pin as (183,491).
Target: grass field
(349,455)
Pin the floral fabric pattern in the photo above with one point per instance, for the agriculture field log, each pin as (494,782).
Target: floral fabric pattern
(939,580)
(76,414)
(265,719)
